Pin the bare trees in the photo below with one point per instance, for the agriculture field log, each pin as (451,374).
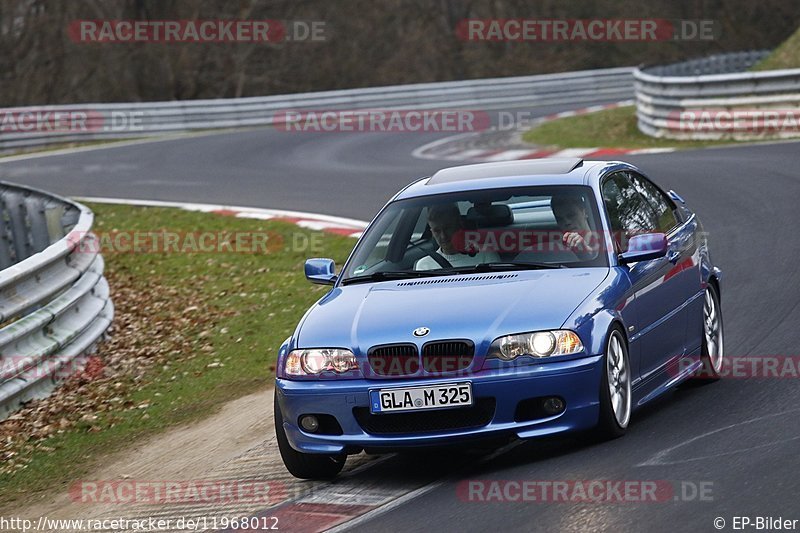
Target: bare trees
(367,43)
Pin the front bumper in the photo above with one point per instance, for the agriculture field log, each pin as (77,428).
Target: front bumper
(576,381)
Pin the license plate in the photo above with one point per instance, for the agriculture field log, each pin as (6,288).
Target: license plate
(420,398)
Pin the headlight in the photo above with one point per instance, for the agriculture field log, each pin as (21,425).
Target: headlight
(536,344)
(317,360)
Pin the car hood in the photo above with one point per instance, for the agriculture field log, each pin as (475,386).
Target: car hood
(479,307)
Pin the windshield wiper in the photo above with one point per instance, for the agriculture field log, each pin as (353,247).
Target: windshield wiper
(390,275)
(507,265)
(481,267)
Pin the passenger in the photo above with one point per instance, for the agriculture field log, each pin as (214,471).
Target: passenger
(573,219)
(445,221)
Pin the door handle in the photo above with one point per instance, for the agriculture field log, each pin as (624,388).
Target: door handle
(673,256)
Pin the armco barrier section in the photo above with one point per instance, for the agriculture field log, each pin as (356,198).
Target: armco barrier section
(99,121)
(717,98)
(54,300)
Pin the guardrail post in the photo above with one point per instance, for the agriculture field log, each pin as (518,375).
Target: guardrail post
(34,208)
(20,232)
(6,243)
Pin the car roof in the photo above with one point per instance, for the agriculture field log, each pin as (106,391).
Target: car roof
(566,171)
(534,167)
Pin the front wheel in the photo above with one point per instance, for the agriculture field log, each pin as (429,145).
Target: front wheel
(305,465)
(712,349)
(615,389)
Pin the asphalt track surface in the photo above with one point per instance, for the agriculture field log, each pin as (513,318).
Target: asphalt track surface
(741,435)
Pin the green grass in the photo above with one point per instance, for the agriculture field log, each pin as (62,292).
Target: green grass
(787,55)
(609,128)
(253,302)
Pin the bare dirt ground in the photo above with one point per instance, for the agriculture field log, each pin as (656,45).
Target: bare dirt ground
(238,443)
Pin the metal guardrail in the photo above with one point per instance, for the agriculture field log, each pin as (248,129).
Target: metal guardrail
(714,64)
(54,300)
(158,118)
(701,99)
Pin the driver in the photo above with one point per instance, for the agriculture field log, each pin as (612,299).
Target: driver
(573,219)
(445,221)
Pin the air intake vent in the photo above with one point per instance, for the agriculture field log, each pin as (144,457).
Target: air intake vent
(436,281)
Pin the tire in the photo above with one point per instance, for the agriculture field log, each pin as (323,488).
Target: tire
(712,349)
(615,409)
(305,465)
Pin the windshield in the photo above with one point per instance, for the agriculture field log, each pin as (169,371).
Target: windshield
(487,230)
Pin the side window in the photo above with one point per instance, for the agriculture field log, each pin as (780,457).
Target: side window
(628,211)
(661,205)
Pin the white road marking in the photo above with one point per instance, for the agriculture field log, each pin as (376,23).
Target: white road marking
(467,154)
(507,155)
(409,496)
(258,216)
(419,153)
(245,212)
(316,225)
(658,458)
(651,151)
(335,495)
(573,152)
(366,517)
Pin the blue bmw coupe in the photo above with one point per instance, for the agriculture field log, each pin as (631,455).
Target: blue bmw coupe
(500,300)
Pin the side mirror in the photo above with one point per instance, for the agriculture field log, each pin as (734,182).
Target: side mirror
(644,248)
(320,271)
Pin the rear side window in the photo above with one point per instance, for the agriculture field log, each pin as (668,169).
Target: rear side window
(662,206)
